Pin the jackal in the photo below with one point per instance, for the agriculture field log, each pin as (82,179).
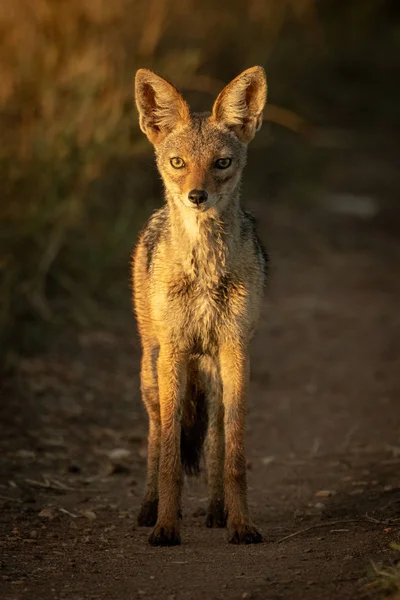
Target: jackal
(198,276)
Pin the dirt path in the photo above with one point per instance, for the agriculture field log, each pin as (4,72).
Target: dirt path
(323,443)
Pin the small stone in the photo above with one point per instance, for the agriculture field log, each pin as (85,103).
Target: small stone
(311,388)
(26,454)
(267,460)
(119,454)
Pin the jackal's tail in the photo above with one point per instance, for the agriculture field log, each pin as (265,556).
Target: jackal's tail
(194,426)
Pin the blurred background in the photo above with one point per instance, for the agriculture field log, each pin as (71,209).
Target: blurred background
(77,182)
(77,175)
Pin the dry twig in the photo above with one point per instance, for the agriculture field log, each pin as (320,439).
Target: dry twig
(365,519)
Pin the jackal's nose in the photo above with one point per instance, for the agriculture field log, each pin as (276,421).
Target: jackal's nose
(198,196)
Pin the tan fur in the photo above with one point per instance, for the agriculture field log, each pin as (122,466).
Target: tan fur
(198,278)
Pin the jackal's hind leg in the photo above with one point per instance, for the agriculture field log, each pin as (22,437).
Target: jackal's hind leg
(216,512)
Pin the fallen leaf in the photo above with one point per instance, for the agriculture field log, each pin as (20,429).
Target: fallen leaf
(324,493)
(89,514)
(114,468)
(47,513)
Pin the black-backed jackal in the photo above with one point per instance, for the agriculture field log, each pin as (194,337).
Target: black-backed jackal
(198,276)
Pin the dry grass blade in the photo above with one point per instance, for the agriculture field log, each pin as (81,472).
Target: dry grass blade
(152,29)
(53,484)
(389,579)
(287,118)
(67,512)
(10,499)
(273,113)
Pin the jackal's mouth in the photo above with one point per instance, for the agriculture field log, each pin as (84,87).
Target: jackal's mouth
(197,207)
(200,207)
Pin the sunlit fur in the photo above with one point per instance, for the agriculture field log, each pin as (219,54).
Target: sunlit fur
(198,279)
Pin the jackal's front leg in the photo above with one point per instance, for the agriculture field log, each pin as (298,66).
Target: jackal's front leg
(171,371)
(148,512)
(234,365)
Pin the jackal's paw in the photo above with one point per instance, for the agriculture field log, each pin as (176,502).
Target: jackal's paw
(216,514)
(147,516)
(244,534)
(164,536)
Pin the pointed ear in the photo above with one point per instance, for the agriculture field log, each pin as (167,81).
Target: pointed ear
(160,105)
(240,104)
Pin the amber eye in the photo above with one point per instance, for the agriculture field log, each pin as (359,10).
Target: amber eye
(177,163)
(223,163)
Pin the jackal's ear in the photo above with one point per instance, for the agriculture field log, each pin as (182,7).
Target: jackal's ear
(240,104)
(160,105)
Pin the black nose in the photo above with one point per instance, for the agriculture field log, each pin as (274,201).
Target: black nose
(198,196)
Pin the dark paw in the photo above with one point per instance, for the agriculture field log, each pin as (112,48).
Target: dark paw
(148,514)
(164,536)
(244,534)
(216,514)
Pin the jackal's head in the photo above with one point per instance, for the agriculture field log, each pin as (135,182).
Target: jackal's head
(201,156)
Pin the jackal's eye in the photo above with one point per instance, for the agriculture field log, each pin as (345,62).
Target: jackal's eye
(177,163)
(223,163)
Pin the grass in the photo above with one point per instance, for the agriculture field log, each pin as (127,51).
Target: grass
(387,579)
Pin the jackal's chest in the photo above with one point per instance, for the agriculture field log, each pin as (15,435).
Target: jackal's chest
(201,302)
(199,312)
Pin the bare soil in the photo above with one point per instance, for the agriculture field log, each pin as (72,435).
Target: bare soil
(323,441)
